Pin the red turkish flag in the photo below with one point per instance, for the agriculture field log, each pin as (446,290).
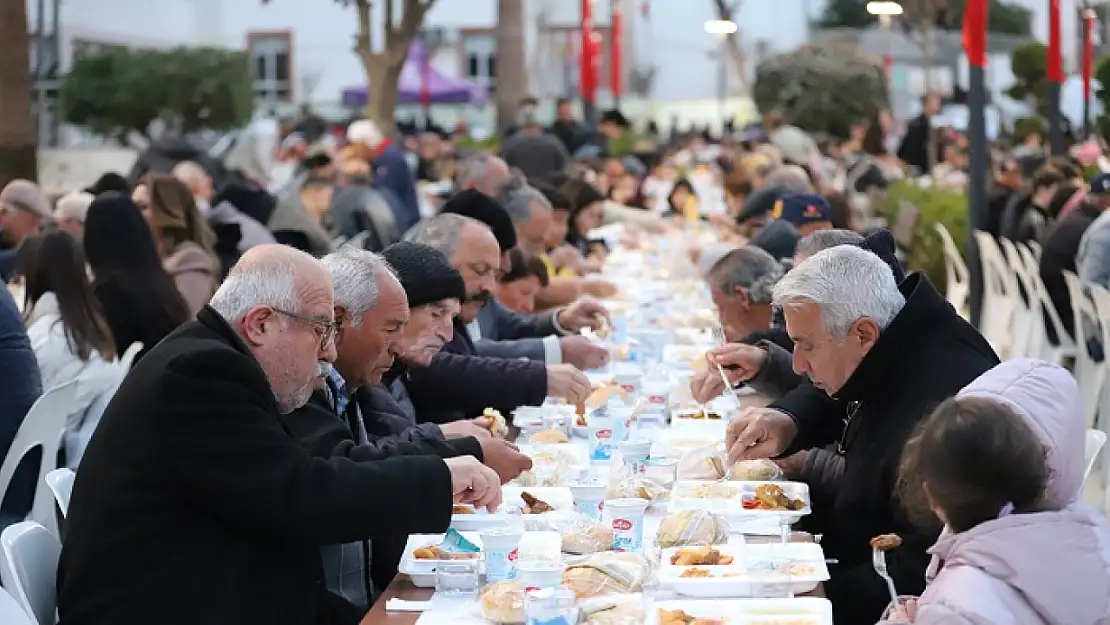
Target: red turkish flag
(975,32)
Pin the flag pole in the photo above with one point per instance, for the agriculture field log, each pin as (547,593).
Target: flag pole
(975,46)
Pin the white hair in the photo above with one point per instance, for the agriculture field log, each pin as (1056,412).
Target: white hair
(847,283)
(257,284)
(444,231)
(73,205)
(355,275)
(366,132)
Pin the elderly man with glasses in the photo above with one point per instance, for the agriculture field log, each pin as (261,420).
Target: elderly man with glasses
(195,505)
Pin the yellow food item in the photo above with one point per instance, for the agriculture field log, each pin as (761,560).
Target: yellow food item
(600,396)
(549,437)
(713,491)
(498,427)
(692,527)
(425,553)
(461,509)
(701,556)
(695,573)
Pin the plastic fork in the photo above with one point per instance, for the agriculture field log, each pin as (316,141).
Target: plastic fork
(719,337)
(878,559)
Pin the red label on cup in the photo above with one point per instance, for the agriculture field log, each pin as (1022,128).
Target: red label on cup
(513,555)
(622,525)
(628,388)
(657,399)
(604,434)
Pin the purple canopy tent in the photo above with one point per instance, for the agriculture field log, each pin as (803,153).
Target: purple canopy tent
(419,77)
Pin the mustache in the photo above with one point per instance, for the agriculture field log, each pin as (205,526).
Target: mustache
(482,296)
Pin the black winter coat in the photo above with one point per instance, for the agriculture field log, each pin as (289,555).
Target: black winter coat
(459,385)
(926,355)
(195,505)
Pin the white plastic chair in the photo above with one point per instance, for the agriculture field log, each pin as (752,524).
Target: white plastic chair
(1041,348)
(957,276)
(60,482)
(998,285)
(11,613)
(1089,375)
(1022,320)
(43,427)
(29,568)
(129,356)
(1093,444)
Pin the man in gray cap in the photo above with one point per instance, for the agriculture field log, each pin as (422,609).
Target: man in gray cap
(23,208)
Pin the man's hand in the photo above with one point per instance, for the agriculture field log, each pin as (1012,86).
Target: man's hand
(504,458)
(478,428)
(706,385)
(583,353)
(567,382)
(474,483)
(793,464)
(759,433)
(585,313)
(740,361)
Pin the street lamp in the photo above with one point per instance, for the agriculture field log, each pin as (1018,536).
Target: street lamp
(886,11)
(721,29)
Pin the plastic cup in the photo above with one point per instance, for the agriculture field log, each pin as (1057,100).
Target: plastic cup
(603,438)
(539,575)
(630,379)
(457,578)
(589,499)
(500,547)
(657,394)
(662,470)
(552,607)
(627,519)
(635,454)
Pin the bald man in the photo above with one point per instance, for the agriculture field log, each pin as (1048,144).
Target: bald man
(251,232)
(194,505)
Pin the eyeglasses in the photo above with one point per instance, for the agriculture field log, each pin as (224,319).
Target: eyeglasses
(324,328)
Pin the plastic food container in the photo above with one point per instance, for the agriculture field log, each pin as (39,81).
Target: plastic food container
(627,519)
(589,498)
(635,454)
(500,546)
(536,575)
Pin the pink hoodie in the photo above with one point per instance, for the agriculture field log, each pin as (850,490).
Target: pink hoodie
(1045,568)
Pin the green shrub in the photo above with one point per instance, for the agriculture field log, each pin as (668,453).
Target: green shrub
(1025,126)
(934,206)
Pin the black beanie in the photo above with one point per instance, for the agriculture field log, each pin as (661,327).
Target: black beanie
(881,243)
(477,205)
(425,273)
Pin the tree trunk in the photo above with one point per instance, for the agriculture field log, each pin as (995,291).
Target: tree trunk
(17,130)
(512,72)
(383,68)
(725,11)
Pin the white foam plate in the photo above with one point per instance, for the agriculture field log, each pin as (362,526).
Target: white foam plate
(757,570)
(800,611)
(423,572)
(682,499)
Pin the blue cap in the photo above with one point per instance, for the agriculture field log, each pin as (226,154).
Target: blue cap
(802,209)
(1100,184)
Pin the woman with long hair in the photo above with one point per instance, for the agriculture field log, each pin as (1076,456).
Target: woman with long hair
(140,301)
(184,241)
(67,330)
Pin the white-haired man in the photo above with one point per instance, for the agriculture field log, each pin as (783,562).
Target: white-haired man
(70,212)
(372,312)
(190,462)
(880,356)
(391,170)
(485,173)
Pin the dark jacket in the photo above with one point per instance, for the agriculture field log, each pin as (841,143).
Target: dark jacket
(195,505)
(537,156)
(1060,248)
(915,144)
(392,172)
(20,387)
(569,133)
(505,334)
(923,357)
(362,210)
(459,385)
(1023,221)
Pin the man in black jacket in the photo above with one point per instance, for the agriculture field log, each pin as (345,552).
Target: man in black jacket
(372,310)
(459,383)
(887,354)
(193,503)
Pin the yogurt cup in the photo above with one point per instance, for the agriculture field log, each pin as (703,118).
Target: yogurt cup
(538,575)
(630,379)
(589,498)
(603,439)
(657,396)
(635,453)
(626,516)
(500,547)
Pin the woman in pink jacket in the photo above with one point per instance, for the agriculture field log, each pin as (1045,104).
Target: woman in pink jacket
(1002,465)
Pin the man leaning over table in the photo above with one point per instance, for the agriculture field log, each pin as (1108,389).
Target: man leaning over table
(194,505)
(459,382)
(887,354)
(372,313)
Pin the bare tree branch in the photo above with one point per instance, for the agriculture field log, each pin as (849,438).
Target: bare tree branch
(726,11)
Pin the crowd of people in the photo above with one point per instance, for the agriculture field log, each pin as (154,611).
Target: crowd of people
(307,353)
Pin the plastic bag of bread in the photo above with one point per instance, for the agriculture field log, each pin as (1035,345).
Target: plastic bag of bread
(503,602)
(755,471)
(629,486)
(606,573)
(692,527)
(549,437)
(600,397)
(703,463)
(581,535)
(613,610)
